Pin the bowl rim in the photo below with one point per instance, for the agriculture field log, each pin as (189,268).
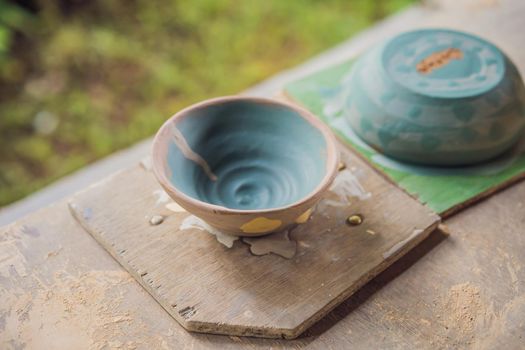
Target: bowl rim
(332,154)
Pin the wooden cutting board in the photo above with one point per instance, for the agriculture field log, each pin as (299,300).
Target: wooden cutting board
(208,287)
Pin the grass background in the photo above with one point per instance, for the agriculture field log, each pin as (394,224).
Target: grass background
(81,79)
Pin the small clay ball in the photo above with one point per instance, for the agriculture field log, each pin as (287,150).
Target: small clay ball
(156,220)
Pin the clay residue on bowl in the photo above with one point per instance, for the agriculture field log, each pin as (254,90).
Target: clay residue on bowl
(186,150)
(438,59)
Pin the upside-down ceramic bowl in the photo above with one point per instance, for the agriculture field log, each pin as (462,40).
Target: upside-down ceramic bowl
(247,166)
(437,97)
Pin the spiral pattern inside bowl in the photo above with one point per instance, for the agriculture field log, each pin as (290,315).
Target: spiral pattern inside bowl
(264,156)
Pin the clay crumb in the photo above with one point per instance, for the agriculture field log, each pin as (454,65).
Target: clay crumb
(147,163)
(444,229)
(156,220)
(53,253)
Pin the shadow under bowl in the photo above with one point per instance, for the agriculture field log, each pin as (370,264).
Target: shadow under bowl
(247,166)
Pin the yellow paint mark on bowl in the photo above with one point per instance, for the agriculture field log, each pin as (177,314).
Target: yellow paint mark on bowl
(261,225)
(304,217)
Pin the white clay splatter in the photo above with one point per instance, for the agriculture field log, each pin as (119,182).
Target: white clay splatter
(196,223)
(399,245)
(278,243)
(162,197)
(334,203)
(347,185)
(175,207)
(186,150)
(147,163)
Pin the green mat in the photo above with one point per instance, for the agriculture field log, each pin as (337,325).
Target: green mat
(444,190)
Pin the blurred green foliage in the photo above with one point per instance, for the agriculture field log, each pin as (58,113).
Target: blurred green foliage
(81,79)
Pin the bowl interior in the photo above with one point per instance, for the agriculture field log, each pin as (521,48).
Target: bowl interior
(260,155)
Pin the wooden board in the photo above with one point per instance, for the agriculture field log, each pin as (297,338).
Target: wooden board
(209,288)
(446,191)
(61,290)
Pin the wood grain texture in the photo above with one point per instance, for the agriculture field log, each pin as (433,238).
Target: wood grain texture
(49,263)
(208,288)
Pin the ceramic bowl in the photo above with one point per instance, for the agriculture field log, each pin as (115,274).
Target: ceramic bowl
(437,97)
(246,166)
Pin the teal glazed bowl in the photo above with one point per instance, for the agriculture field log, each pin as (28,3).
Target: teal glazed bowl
(436,97)
(247,166)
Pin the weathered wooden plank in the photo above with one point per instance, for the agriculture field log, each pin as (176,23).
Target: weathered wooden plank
(209,288)
(49,263)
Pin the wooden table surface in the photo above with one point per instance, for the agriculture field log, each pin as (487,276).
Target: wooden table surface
(60,289)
